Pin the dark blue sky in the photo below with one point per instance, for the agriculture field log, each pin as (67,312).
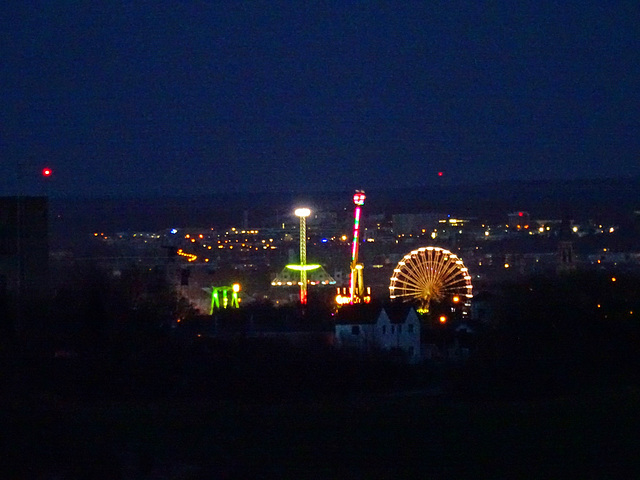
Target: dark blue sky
(154,97)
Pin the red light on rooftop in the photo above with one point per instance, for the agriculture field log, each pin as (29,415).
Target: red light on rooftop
(520,214)
(46,172)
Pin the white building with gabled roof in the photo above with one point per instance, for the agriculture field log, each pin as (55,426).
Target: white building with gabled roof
(370,327)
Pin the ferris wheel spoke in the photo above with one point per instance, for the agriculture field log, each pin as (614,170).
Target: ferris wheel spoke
(411,274)
(433,264)
(411,289)
(434,268)
(424,269)
(408,285)
(407,282)
(450,277)
(454,289)
(450,267)
(450,272)
(413,292)
(455,282)
(431,269)
(405,295)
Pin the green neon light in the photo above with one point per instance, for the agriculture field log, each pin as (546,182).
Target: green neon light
(226,301)
(302,267)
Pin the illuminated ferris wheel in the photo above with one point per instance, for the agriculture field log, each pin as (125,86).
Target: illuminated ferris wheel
(431,274)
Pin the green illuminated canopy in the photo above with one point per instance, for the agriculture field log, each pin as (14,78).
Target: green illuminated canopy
(302,267)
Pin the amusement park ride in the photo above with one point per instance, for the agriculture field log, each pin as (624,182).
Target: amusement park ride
(431,274)
(228,295)
(303,269)
(357,293)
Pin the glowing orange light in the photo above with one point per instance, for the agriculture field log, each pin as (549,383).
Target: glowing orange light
(613,279)
(443,319)
(456,299)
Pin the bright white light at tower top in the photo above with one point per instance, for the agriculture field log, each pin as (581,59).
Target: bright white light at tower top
(302,212)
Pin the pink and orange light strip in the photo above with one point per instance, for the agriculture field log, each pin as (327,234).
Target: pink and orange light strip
(358,200)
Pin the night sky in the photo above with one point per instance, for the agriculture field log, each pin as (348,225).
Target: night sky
(156,97)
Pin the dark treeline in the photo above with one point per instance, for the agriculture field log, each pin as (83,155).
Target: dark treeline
(559,334)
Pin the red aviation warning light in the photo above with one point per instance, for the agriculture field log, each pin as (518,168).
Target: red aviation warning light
(46,172)
(359,198)
(440,174)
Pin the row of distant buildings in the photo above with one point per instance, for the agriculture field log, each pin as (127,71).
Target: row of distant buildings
(196,258)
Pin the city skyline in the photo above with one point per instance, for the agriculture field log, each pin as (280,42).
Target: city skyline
(224,97)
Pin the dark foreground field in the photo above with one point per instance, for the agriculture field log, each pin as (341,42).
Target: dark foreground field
(402,436)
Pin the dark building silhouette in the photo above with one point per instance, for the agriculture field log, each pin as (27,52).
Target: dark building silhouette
(24,252)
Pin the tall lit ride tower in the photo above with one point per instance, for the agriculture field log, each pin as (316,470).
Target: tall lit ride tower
(289,275)
(303,213)
(356,286)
